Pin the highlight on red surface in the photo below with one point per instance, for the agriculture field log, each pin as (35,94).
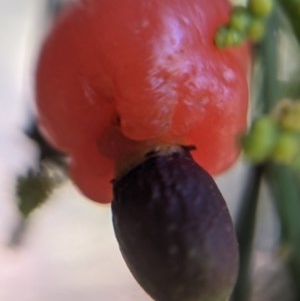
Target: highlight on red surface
(149,69)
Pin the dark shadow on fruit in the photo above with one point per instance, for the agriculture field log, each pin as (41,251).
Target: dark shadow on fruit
(174,229)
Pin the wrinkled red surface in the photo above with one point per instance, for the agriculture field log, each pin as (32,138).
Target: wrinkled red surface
(146,70)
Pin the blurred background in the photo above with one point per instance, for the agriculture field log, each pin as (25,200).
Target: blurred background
(67,250)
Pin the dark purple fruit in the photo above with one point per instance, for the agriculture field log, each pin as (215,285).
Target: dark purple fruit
(174,229)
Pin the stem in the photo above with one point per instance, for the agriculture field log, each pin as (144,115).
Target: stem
(292,10)
(33,190)
(267,54)
(284,187)
(245,226)
(17,235)
(281,179)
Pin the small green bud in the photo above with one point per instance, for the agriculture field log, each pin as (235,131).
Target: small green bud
(228,37)
(259,142)
(234,37)
(240,18)
(261,8)
(289,115)
(221,37)
(256,30)
(286,148)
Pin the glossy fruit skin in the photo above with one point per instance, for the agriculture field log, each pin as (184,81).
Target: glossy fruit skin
(149,69)
(174,230)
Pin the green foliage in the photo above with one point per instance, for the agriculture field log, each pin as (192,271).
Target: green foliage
(240,18)
(245,23)
(275,136)
(276,156)
(256,30)
(259,142)
(34,188)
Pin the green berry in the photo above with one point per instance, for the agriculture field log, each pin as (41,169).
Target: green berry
(240,18)
(289,118)
(228,37)
(261,8)
(256,30)
(286,148)
(258,144)
(234,37)
(221,36)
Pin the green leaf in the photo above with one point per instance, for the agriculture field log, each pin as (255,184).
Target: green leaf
(35,188)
